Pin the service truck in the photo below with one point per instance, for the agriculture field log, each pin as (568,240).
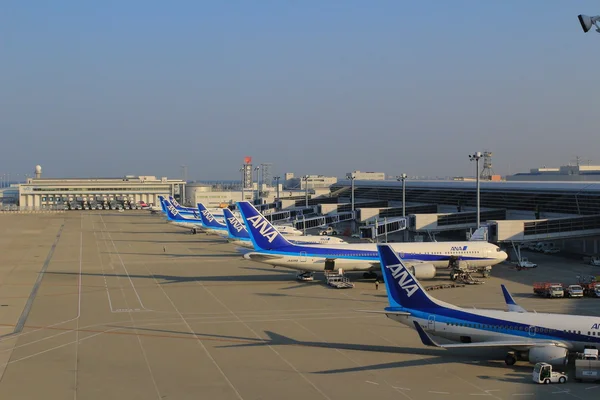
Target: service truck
(548,289)
(574,291)
(587,366)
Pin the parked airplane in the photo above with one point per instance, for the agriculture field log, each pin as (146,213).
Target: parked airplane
(536,337)
(175,217)
(238,234)
(184,214)
(209,222)
(423,258)
(193,211)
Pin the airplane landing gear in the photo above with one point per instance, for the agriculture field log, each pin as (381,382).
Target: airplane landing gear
(194,231)
(510,359)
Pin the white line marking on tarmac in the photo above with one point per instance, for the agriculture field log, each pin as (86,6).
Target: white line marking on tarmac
(428,361)
(78,310)
(371,374)
(591,387)
(265,342)
(372,383)
(522,394)
(125,268)
(399,388)
(239,396)
(434,392)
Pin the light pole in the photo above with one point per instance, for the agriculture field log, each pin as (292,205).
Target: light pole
(306,189)
(352,177)
(242,171)
(256,169)
(587,22)
(277,180)
(475,157)
(402,178)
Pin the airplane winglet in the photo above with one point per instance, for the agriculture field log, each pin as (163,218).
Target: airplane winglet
(510,302)
(425,338)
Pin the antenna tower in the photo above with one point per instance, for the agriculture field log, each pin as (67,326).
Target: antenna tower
(488,171)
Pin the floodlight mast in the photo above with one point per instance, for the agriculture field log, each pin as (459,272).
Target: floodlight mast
(587,22)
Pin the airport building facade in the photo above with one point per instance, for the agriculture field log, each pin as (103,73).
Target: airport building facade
(567,213)
(49,193)
(565,173)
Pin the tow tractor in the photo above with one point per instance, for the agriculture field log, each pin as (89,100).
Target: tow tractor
(542,373)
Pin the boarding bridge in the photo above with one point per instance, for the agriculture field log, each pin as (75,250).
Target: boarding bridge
(451,222)
(383,227)
(288,215)
(544,229)
(307,223)
(397,211)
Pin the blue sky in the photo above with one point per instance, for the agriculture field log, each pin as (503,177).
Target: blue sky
(140,87)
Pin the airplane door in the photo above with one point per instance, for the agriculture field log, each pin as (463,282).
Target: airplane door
(532,331)
(303,256)
(329,265)
(431,323)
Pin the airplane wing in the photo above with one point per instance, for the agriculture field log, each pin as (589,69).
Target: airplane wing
(376,265)
(384,312)
(510,302)
(523,344)
(261,257)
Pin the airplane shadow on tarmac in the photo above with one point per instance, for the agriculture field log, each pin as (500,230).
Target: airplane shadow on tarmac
(517,373)
(170,279)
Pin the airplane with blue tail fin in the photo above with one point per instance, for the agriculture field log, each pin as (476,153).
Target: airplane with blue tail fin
(210,223)
(536,337)
(174,216)
(239,235)
(423,258)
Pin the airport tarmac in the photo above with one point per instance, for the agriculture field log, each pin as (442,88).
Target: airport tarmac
(130,307)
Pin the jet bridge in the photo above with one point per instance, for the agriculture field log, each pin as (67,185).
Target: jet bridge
(383,227)
(302,222)
(288,215)
(451,222)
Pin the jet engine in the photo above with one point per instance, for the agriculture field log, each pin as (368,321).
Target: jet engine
(549,354)
(422,270)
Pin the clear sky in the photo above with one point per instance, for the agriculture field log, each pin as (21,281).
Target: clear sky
(111,88)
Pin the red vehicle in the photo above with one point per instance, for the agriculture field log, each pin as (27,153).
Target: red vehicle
(548,289)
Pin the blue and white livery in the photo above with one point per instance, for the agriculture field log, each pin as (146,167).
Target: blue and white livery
(188,212)
(423,258)
(210,223)
(238,234)
(536,337)
(174,216)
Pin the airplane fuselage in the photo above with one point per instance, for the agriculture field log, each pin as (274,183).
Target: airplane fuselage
(364,257)
(458,325)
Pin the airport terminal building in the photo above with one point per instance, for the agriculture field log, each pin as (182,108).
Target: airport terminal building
(50,193)
(566,213)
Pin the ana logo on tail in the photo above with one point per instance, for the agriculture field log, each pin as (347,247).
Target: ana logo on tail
(208,215)
(262,225)
(172,209)
(237,225)
(404,280)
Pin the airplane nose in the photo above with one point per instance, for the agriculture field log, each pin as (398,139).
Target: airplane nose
(503,255)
